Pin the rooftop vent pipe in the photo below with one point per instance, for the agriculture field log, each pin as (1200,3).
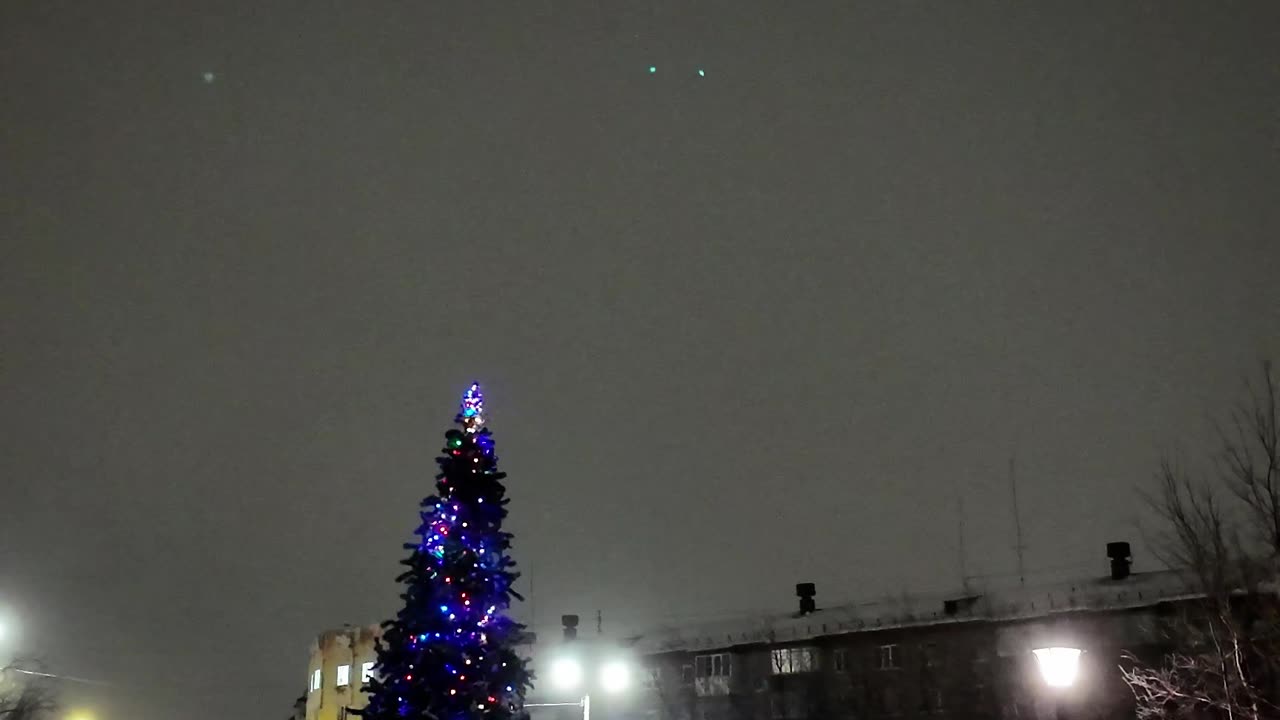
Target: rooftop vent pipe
(1121,559)
(806,592)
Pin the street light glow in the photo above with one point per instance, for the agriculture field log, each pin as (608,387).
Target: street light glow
(1058,665)
(566,673)
(615,676)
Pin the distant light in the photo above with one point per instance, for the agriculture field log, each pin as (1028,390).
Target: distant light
(210,77)
(653,69)
(702,73)
(615,676)
(566,673)
(1058,665)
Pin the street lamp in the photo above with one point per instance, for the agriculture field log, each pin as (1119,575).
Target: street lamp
(615,676)
(567,674)
(1059,666)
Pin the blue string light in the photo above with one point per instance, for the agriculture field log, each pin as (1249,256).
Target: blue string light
(457,572)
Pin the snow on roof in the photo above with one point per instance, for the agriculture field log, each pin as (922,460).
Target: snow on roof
(1016,603)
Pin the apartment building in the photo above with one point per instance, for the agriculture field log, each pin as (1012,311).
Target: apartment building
(959,656)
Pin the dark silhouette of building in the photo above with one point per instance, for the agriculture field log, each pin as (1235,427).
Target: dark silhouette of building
(966,655)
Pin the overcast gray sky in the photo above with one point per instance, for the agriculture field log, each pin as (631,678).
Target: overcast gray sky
(737,331)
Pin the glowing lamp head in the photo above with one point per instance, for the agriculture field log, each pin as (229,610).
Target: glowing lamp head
(566,673)
(1059,666)
(615,676)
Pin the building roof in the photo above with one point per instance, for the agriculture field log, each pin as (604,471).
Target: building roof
(1015,603)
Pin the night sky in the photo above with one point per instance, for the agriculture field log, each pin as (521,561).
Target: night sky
(736,331)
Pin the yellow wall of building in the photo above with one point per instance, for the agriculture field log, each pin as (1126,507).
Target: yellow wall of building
(351,646)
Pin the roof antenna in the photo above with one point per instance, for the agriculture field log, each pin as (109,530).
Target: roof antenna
(533,605)
(1017,519)
(963,555)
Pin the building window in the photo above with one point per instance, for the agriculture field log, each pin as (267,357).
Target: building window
(930,698)
(315,680)
(930,652)
(787,661)
(840,660)
(786,705)
(366,672)
(344,676)
(888,701)
(686,674)
(712,665)
(889,657)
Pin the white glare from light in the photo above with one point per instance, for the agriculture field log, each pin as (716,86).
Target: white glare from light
(615,676)
(1058,665)
(566,673)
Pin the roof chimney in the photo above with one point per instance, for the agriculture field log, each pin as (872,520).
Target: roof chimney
(570,623)
(1120,559)
(806,591)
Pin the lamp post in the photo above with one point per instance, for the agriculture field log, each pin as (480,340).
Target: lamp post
(1059,667)
(612,676)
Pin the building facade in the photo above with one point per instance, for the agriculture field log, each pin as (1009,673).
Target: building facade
(341,660)
(965,656)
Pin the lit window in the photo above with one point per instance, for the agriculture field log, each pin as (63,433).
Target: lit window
(366,672)
(315,679)
(889,657)
(344,675)
(711,665)
(840,660)
(787,661)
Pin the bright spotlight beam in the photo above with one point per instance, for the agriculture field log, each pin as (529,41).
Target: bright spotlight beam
(68,678)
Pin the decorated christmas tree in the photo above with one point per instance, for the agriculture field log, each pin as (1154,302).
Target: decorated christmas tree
(450,653)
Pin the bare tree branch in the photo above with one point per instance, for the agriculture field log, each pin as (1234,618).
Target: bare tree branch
(1223,649)
(25,697)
